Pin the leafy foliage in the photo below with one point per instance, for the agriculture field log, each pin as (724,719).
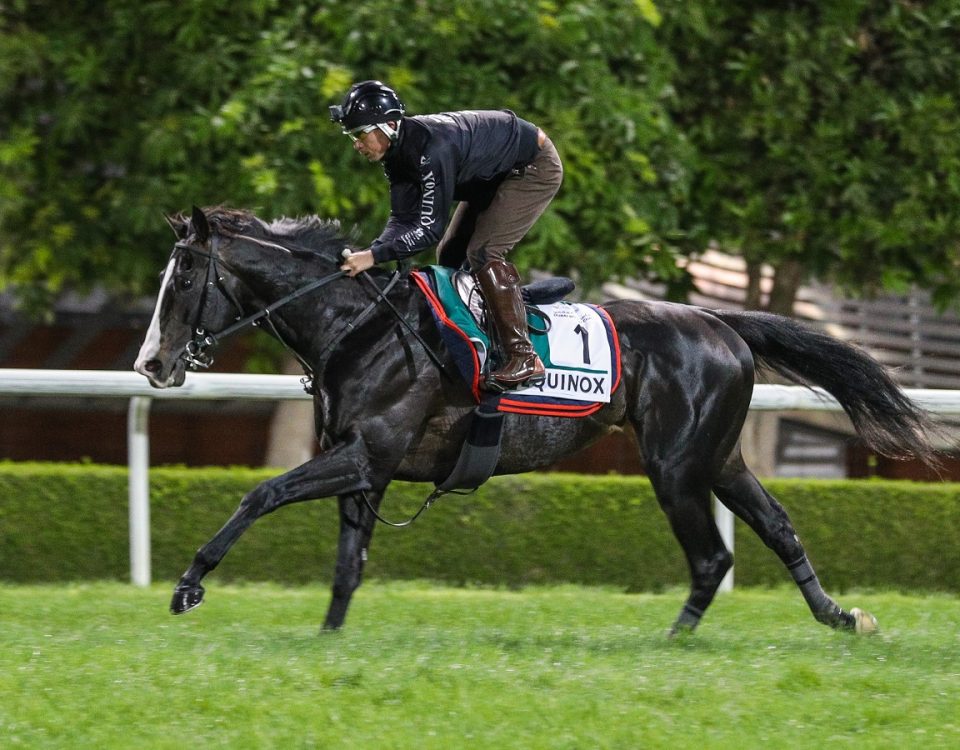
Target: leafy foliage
(828,135)
(819,137)
(118,111)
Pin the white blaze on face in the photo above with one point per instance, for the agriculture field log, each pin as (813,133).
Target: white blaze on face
(151,343)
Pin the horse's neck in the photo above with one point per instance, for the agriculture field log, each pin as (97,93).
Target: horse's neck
(264,279)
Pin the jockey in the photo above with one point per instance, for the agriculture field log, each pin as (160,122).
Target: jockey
(503,170)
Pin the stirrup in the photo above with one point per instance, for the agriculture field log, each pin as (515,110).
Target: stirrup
(493,385)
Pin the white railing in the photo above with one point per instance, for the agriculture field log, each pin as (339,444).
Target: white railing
(904,331)
(228,386)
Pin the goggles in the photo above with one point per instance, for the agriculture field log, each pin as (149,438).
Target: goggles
(357,133)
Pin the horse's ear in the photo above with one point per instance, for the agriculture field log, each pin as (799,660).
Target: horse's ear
(200,226)
(178,224)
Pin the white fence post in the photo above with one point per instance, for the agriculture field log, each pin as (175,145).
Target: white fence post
(138,463)
(724,519)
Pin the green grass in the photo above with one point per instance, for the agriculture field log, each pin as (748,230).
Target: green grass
(419,666)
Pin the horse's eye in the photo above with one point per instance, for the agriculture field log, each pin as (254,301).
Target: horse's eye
(185,283)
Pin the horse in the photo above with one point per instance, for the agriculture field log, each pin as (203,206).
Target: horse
(386,406)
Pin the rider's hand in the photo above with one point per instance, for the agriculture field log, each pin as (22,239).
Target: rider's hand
(354,263)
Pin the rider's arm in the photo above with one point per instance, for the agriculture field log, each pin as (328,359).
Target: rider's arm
(418,210)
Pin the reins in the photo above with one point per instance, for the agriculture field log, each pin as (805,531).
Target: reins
(406,324)
(195,351)
(431,499)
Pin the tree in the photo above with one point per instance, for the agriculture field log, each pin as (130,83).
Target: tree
(828,137)
(117,111)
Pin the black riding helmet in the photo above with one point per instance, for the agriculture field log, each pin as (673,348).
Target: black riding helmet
(368,103)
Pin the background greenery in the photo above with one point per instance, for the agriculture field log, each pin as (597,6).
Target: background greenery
(827,137)
(819,137)
(69,522)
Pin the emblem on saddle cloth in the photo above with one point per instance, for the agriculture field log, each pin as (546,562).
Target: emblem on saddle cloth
(579,347)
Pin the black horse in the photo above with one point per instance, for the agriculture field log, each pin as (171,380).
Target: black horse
(385,407)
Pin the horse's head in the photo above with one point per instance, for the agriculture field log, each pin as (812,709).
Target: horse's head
(193,302)
(223,262)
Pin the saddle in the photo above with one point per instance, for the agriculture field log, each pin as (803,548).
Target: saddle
(576,342)
(547,291)
(540,292)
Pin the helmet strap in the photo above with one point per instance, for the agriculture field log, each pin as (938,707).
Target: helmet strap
(391,133)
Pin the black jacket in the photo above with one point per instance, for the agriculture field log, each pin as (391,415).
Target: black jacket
(438,159)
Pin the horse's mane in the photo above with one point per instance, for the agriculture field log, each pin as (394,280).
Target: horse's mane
(304,235)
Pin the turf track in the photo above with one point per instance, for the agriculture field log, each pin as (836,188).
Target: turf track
(420,666)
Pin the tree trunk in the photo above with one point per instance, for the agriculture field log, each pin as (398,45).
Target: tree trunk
(292,440)
(758,442)
(786,282)
(754,270)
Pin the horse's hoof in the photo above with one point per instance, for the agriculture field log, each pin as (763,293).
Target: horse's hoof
(186,598)
(681,630)
(864,622)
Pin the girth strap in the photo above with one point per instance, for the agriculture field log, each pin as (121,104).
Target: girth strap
(481,450)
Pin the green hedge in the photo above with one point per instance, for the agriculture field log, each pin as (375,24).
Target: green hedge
(69,522)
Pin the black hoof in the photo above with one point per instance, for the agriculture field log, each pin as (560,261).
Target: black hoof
(186,598)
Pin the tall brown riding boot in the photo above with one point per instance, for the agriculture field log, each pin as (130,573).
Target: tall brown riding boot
(500,284)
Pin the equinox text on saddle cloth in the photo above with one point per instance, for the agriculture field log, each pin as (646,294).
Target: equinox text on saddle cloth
(578,358)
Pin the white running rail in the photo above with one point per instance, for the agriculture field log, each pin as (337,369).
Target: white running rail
(227,386)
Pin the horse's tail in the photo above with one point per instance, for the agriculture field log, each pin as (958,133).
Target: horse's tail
(882,414)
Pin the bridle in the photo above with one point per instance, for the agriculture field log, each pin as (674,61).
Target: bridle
(196,353)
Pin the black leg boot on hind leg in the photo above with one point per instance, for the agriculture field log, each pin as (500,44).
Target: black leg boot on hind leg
(825,609)
(500,284)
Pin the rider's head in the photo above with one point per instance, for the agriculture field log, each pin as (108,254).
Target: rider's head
(369,105)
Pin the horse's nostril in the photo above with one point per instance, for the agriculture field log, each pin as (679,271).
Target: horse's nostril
(152,366)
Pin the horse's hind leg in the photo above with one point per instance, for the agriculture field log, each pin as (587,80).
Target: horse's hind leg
(356,529)
(743,494)
(685,498)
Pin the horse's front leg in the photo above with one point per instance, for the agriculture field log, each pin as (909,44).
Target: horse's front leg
(356,529)
(342,469)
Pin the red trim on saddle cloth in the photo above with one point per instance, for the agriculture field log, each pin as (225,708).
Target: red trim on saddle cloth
(423,284)
(468,362)
(615,343)
(547,410)
(556,407)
